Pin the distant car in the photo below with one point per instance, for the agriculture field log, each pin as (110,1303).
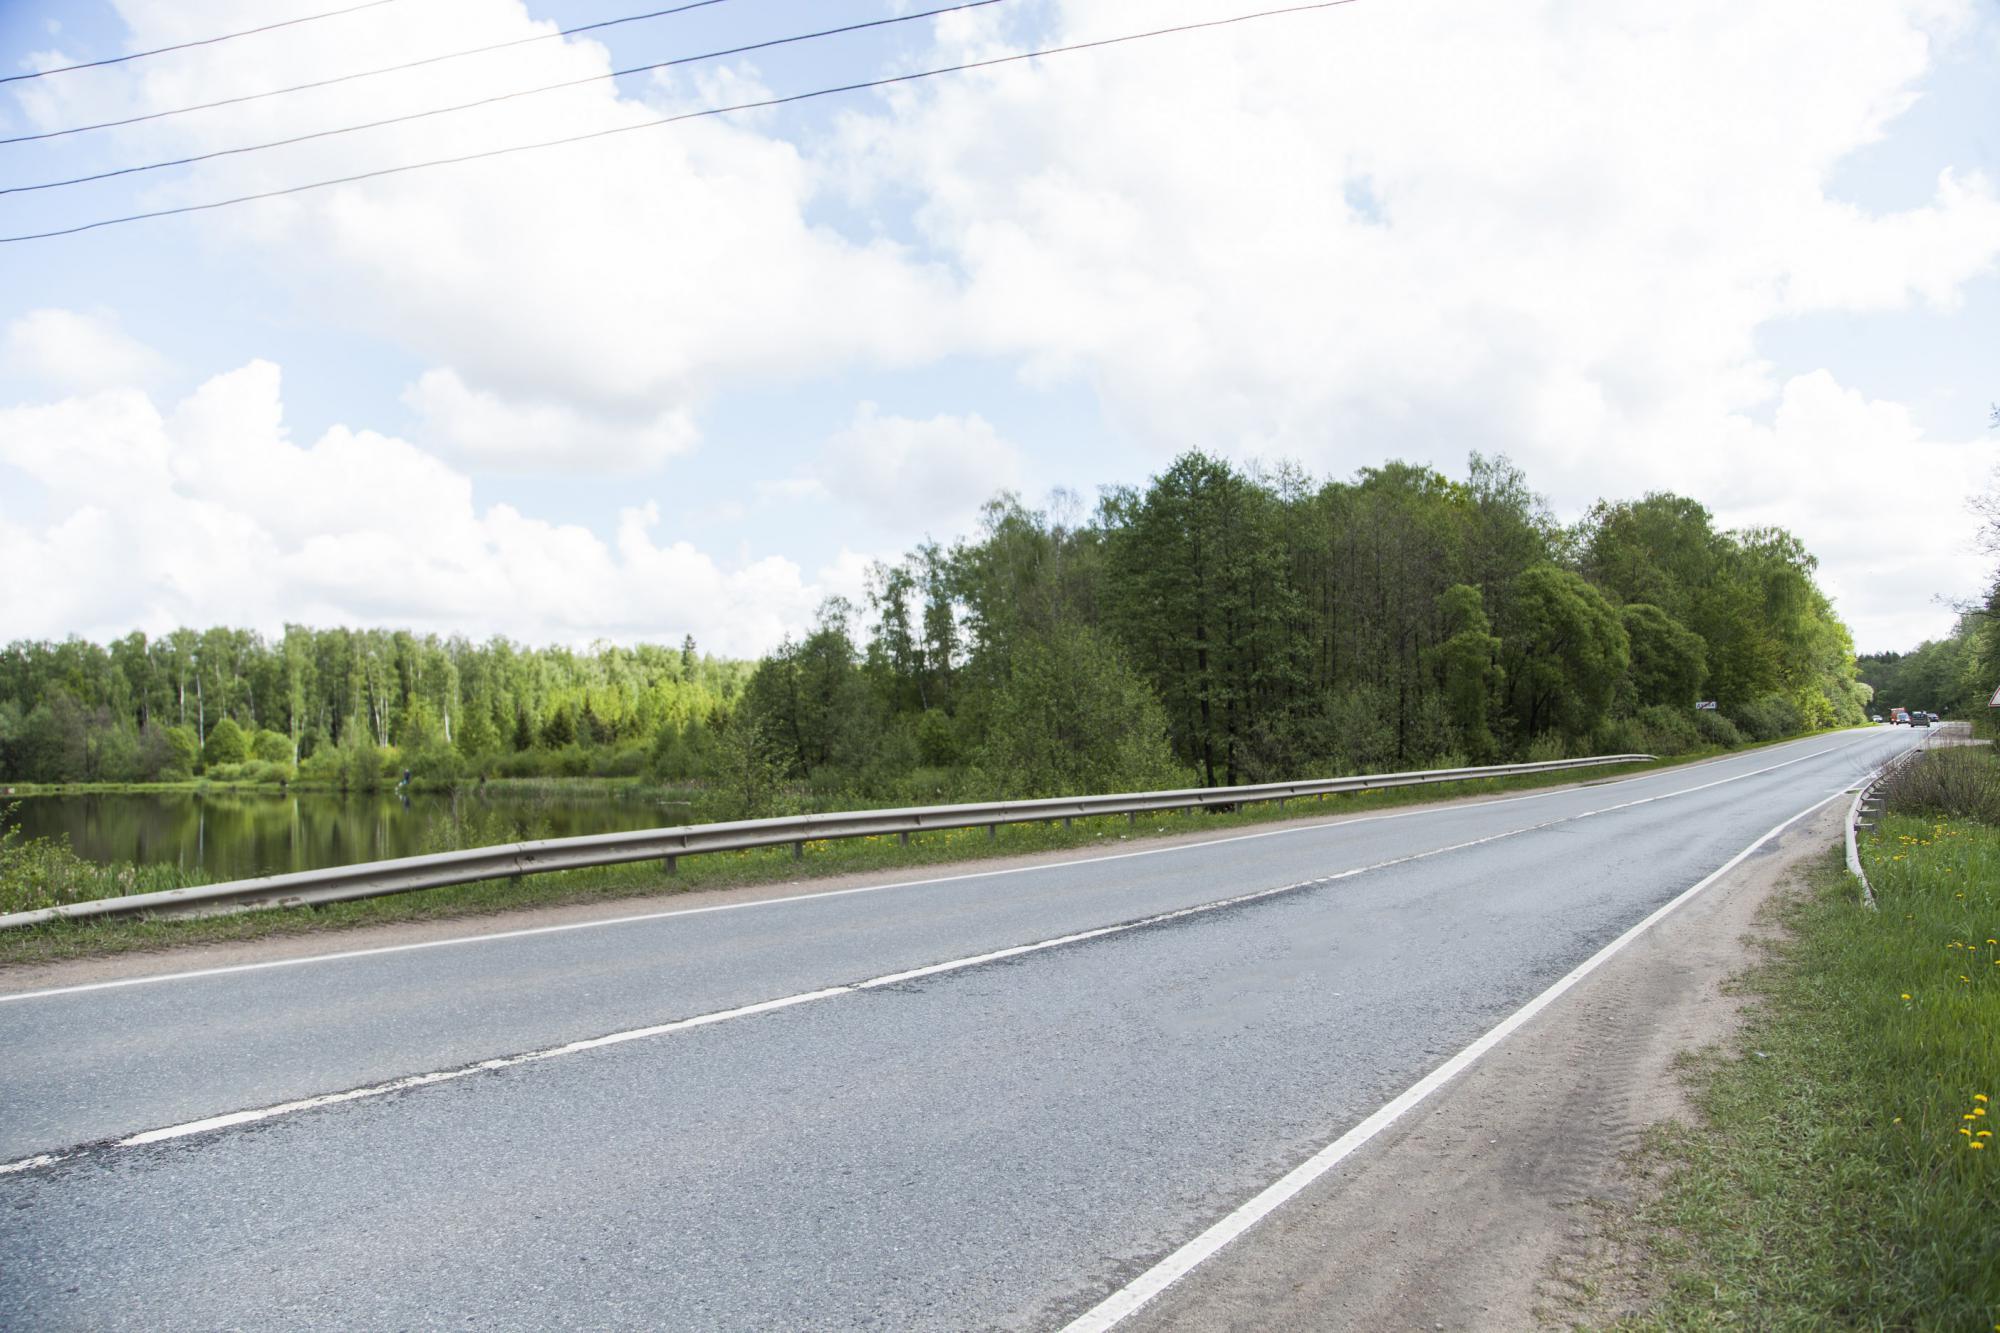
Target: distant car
(1920,719)
(1899,717)
(1877,717)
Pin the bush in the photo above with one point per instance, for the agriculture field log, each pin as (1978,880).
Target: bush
(627,761)
(1957,783)
(271,747)
(1074,717)
(437,763)
(1771,718)
(1669,729)
(226,744)
(166,754)
(253,770)
(1715,729)
(1546,748)
(1621,735)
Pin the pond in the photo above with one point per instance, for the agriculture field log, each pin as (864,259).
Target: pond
(237,835)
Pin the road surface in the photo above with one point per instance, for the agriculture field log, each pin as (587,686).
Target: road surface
(754,1117)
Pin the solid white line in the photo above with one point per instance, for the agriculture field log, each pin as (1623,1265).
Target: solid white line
(1127,1300)
(792,899)
(233,1118)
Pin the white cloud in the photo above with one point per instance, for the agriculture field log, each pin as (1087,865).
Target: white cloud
(1881,504)
(68,349)
(208,513)
(488,430)
(1408,229)
(624,279)
(1549,228)
(910,476)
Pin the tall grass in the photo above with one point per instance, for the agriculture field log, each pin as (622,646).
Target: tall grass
(1961,782)
(40,872)
(1847,1173)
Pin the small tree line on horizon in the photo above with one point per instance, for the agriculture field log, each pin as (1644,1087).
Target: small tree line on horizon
(1213,627)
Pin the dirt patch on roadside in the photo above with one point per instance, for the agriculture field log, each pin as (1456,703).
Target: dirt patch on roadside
(1496,1204)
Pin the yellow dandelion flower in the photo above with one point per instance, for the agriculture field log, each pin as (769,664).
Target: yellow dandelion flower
(1979,1097)
(1906,995)
(1975,1145)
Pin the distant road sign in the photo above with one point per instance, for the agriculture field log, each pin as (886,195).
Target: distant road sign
(1709,704)
(1994,702)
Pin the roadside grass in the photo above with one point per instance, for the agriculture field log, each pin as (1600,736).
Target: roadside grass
(1846,1171)
(76,880)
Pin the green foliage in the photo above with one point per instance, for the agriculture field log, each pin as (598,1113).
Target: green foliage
(1669,661)
(1282,624)
(1073,718)
(1717,730)
(1566,655)
(1770,718)
(1468,665)
(38,873)
(226,744)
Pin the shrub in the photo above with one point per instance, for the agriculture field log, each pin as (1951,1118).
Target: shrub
(1957,783)
(1770,718)
(252,770)
(271,747)
(1669,729)
(1546,748)
(1715,729)
(1619,736)
(226,744)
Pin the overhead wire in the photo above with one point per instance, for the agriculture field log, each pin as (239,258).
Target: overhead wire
(886,81)
(200,41)
(366,73)
(210,156)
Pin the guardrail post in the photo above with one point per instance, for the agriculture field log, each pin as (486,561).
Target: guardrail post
(672,865)
(798,851)
(1066,821)
(904,837)
(992,832)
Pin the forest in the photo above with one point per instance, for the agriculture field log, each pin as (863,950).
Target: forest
(1218,625)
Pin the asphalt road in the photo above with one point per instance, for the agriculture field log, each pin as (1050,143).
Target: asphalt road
(1001,1143)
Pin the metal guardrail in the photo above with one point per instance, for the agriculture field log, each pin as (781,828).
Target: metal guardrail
(380,878)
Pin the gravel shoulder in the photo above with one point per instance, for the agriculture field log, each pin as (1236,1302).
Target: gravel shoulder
(1496,1203)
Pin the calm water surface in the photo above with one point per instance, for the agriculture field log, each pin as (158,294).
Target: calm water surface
(237,835)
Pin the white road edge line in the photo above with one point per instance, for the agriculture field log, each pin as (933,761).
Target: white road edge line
(349,954)
(253,1116)
(1128,1299)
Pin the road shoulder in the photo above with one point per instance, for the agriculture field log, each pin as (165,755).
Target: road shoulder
(1487,1206)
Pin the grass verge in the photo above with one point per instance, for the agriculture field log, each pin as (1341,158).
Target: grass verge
(90,938)
(1845,1172)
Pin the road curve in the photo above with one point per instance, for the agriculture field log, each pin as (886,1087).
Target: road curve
(924,1106)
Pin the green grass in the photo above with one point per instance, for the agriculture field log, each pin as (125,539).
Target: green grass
(75,939)
(1834,1181)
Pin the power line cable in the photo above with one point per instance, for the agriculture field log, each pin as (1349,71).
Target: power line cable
(200,41)
(366,73)
(788,100)
(497,97)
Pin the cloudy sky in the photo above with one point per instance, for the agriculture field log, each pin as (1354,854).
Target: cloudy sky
(693,378)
